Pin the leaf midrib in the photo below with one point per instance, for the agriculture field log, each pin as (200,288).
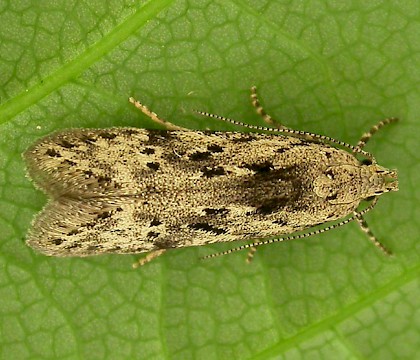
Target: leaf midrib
(342,314)
(76,66)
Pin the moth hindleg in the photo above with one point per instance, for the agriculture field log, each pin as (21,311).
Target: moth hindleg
(260,110)
(148,258)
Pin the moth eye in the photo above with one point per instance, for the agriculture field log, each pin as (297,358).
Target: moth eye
(367,162)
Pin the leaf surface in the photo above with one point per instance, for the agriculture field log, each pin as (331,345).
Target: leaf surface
(334,69)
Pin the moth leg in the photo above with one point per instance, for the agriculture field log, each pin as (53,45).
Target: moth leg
(366,136)
(260,110)
(148,258)
(250,255)
(144,109)
(365,228)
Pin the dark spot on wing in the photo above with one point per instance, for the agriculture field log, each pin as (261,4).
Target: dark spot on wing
(280,222)
(367,162)
(208,132)
(155,222)
(214,148)
(286,174)
(87,139)
(245,138)
(103,179)
(207,227)
(157,137)
(272,176)
(211,172)
(104,215)
(107,135)
(331,197)
(69,162)
(219,211)
(153,165)
(57,241)
(52,153)
(164,243)
(260,167)
(148,151)
(330,174)
(66,144)
(152,234)
(198,156)
(272,205)
(129,132)
(73,246)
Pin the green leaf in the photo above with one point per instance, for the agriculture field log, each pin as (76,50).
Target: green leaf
(334,68)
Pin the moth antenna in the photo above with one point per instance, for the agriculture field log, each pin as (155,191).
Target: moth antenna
(355,216)
(354,149)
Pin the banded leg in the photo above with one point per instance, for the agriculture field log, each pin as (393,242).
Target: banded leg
(366,136)
(144,109)
(365,228)
(148,258)
(250,255)
(260,110)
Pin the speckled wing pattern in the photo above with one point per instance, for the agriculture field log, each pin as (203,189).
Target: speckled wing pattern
(128,190)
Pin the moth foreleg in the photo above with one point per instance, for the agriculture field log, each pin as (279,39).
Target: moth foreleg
(365,228)
(250,255)
(152,115)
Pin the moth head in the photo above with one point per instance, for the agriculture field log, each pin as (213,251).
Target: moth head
(344,184)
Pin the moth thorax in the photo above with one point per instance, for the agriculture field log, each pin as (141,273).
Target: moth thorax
(345,184)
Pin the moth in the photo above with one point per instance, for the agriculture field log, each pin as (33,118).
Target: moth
(129,190)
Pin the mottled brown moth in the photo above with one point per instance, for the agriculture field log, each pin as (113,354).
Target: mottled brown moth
(130,190)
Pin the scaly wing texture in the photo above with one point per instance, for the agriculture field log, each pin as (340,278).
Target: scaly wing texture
(142,190)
